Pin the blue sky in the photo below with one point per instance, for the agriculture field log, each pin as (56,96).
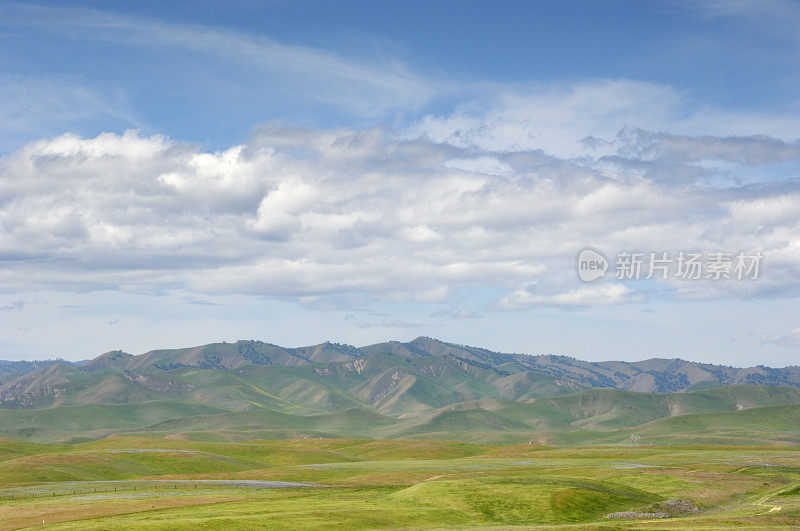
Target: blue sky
(185,172)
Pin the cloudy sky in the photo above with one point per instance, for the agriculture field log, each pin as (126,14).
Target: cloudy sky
(173,174)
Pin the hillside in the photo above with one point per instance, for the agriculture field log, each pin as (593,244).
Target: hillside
(424,387)
(587,417)
(392,378)
(18,368)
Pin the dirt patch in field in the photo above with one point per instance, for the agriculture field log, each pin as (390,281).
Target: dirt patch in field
(32,514)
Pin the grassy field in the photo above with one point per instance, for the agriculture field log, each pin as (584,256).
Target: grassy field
(727,415)
(151,483)
(717,458)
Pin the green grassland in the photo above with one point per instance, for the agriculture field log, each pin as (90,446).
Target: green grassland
(250,435)
(734,414)
(711,459)
(156,483)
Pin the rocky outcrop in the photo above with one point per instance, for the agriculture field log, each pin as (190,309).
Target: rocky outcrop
(157,385)
(14,396)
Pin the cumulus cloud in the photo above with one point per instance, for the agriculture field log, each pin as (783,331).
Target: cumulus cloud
(750,150)
(309,214)
(554,118)
(588,295)
(566,119)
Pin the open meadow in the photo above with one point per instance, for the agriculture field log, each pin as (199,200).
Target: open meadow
(398,435)
(150,483)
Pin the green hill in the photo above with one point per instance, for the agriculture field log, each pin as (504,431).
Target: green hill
(91,420)
(732,414)
(394,378)
(251,389)
(770,423)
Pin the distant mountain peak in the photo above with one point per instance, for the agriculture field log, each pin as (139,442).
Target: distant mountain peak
(393,377)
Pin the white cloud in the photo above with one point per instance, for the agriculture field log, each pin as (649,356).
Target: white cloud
(750,150)
(420,234)
(418,215)
(607,294)
(559,118)
(552,118)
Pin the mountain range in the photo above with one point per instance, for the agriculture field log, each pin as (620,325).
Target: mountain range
(391,389)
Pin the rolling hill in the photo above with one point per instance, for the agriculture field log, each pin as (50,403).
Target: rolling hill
(423,387)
